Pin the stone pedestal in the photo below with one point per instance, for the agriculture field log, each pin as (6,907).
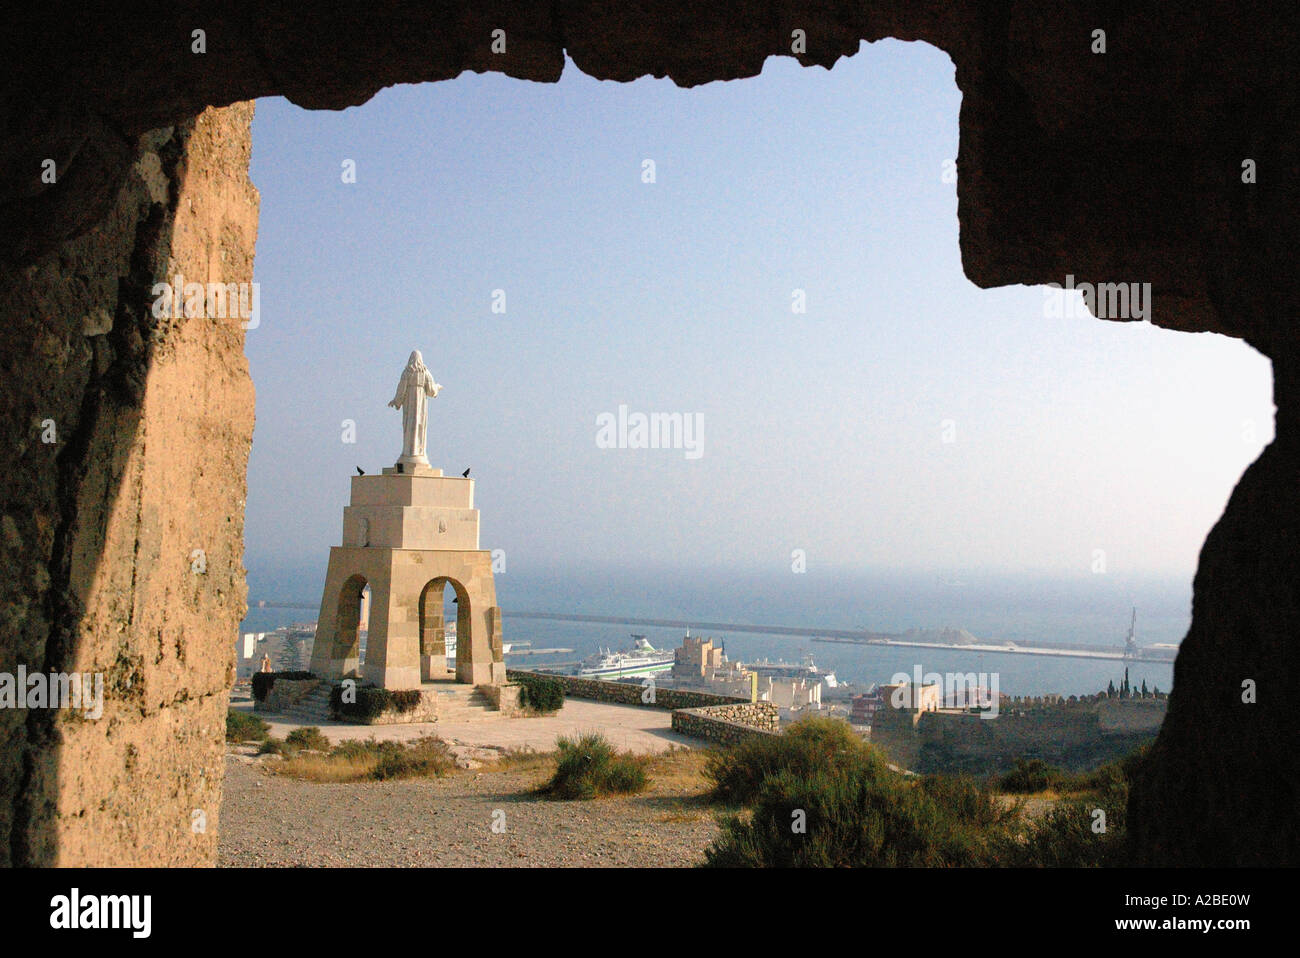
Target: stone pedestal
(407,535)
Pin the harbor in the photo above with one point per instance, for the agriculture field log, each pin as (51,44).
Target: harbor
(1148,654)
(915,639)
(559,643)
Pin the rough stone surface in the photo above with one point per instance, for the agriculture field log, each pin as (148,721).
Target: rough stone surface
(504,699)
(728,724)
(152,420)
(426,712)
(1118,167)
(1113,166)
(286,693)
(1223,786)
(404,584)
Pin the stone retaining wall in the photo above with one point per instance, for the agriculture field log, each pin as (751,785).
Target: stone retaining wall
(728,724)
(625,693)
(426,711)
(284,694)
(504,698)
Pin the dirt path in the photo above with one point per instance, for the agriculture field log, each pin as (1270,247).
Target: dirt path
(268,820)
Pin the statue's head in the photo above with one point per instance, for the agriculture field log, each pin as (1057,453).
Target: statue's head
(416,359)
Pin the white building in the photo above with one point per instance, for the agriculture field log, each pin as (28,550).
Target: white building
(247,658)
(792,693)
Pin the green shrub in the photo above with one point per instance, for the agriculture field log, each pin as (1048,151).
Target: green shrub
(822,800)
(423,757)
(960,796)
(809,745)
(371,702)
(242,727)
(406,700)
(862,814)
(275,746)
(370,760)
(1070,835)
(1122,772)
(541,695)
(1034,775)
(589,767)
(1031,775)
(308,737)
(355,749)
(823,797)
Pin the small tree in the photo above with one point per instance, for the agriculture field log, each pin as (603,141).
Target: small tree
(541,695)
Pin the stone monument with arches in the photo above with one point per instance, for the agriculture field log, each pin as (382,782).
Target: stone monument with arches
(408,533)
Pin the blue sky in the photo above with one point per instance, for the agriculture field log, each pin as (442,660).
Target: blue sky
(822,431)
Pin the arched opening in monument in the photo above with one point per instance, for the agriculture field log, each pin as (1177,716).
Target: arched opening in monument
(446,643)
(363,622)
(353,604)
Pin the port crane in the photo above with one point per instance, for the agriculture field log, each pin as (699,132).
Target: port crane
(1130,641)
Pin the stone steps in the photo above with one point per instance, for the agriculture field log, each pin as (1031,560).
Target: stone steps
(465,706)
(314,706)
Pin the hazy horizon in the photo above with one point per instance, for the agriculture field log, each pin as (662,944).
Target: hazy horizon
(1091,609)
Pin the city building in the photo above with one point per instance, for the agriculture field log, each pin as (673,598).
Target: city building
(793,694)
(863,707)
(696,658)
(908,696)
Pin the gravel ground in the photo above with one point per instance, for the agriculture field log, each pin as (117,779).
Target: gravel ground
(267,820)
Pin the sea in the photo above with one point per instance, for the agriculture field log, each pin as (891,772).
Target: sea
(1092,610)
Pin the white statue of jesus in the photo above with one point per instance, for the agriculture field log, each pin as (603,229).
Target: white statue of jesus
(416,383)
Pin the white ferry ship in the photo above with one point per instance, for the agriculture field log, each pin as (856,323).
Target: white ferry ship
(642,659)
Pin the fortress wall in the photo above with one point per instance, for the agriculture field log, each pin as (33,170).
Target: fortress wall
(1070,736)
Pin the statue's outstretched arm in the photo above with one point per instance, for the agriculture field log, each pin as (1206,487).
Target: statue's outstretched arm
(396,401)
